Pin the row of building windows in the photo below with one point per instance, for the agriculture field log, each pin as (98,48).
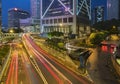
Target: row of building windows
(64,29)
(59,20)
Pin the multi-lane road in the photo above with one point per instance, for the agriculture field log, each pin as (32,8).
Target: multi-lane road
(21,70)
(30,64)
(52,71)
(13,71)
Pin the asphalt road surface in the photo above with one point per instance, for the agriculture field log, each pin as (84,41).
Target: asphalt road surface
(52,71)
(100,67)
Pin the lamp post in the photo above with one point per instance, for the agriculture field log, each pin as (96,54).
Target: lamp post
(11,31)
(61,24)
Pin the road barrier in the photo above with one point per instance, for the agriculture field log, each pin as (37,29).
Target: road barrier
(115,64)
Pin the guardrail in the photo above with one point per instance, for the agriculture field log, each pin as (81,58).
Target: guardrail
(115,64)
(34,63)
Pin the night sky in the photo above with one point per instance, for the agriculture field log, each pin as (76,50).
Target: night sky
(7,4)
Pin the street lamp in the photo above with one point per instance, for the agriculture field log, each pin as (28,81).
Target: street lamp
(11,31)
(61,24)
(114,27)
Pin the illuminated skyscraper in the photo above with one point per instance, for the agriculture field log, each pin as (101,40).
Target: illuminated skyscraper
(105,10)
(35,16)
(65,16)
(112,9)
(14,15)
(99,14)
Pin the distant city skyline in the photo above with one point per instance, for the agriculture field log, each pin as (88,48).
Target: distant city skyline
(8,4)
(25,5)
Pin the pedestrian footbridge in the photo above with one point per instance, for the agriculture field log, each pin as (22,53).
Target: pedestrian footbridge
(9,35)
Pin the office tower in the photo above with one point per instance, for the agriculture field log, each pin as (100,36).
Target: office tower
(35,14)
(14,15)
(99,14)
(112,9)
(108,9)
(65,16)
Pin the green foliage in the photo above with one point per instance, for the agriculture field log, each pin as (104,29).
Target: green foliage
(10,39)
(61,45)
(56,43)
(108,25)
(3,52)
(55,33)
(97,38)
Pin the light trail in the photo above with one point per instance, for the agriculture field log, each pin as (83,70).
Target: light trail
(16,74)
(10,72)
(40,57)
(49,69)
(42,53)
(35,65)
(13,71)
(38,49)
(46,66)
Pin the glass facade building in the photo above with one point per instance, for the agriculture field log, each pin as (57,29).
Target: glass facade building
(65,15)
(107,8)
(112,7)
(99,14)
(35,14)
(35,11)
(14,15)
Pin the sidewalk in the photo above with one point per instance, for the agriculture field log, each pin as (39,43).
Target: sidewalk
(100,67)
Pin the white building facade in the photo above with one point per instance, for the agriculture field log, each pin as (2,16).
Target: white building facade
(65,16)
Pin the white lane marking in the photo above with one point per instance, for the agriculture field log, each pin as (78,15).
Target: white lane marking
(52,66)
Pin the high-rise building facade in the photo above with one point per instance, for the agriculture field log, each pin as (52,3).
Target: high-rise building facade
(14,15)
(35,13)
(99,14)
(105,10)
(112,9)
(65,15)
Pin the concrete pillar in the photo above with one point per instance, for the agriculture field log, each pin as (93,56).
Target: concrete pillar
(74,17)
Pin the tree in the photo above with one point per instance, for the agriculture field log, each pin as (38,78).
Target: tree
(97,38)
(107,25)
(55,33)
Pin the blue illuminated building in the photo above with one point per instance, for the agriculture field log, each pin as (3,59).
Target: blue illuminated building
(14,16)
(35,13)
(105,10)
